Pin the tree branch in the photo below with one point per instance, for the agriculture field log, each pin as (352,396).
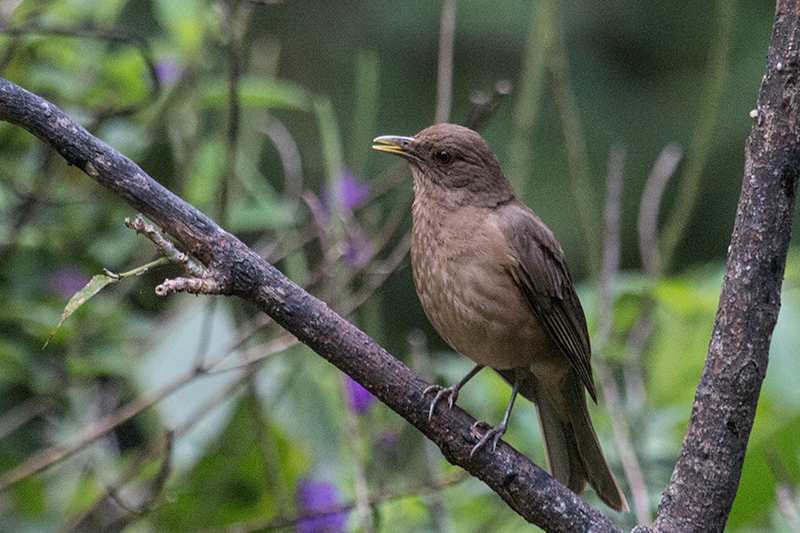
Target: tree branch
(237,270)
(704,483)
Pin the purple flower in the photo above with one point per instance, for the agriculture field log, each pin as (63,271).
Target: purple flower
(66,281)
(167,71)
(314,497)
(361,400)
(351,192)
(357,249)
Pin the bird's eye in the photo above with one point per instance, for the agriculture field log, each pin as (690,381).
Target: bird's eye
(444,157)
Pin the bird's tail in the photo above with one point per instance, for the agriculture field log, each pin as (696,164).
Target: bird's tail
(573,452)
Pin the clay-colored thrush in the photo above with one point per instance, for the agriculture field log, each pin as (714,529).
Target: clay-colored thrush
(492,279)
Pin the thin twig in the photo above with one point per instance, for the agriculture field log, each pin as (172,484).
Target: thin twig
(639,335)
(444,86)
(206,329)
(278,344)
(650,205)
(289,155)
(334,253)
(201,412)
(164,246)
(31,201)
(612,239)
(577,154)
(355,442)
(483,106)
(647,229)
(380,274)
(784,495)
(24,412)
(159,446)
(420,359)
(92,432)
(538,43)
(611,259)
(253,355)
(231,12)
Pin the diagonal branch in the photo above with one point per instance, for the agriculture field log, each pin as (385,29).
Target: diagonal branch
(238,271)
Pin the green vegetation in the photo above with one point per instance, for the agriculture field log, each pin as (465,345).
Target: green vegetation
(261,115)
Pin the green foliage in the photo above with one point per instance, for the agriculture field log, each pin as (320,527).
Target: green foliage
(687,308)
(233,481)
(259,93)
(251,416)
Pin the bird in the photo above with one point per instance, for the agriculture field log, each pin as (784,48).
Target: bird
(493,281)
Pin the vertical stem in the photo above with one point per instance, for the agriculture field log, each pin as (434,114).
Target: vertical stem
(611,394)
(356,444)
(235,17)
(538,43)
(366,109)
(444,89)
(650,205)
(437,508)
(577,154)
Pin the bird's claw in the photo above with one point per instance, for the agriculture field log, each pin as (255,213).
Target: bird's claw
(493,433)
(451,393)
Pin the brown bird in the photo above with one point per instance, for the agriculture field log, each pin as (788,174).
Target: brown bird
(493,282)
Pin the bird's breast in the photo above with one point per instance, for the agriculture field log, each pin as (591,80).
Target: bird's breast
(460,265)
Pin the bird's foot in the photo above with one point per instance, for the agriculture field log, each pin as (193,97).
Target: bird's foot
(493,433)
(450,393)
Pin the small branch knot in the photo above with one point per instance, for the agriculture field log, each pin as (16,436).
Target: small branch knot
(166,248)
(91,170)
(191,285)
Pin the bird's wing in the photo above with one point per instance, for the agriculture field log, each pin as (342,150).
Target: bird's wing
(539,268)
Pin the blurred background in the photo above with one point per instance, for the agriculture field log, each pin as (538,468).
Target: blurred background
(198,414)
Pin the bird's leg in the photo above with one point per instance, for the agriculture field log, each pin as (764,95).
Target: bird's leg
(495,432)
(451,393)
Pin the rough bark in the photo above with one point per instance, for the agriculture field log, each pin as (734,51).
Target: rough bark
(704,483)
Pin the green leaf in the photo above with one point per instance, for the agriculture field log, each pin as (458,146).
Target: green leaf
(94,286)
(331,140)
(259,216)
(259,92)
(207,166)
(30,498)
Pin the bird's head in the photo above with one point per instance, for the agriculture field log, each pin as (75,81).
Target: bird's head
(453,158)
